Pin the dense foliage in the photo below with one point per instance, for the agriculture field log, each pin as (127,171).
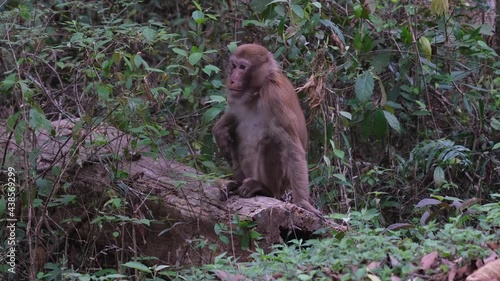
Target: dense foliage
(402,100)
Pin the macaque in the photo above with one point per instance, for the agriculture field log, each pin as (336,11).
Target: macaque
(263,134)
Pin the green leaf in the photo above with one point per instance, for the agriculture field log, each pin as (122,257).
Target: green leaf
(137,265)
(208,69)
(392,121)
(138,61)
(38,120)
(495,124)
(103,92)
(44,186)
(425,45)
(346,115)
(340,177)
(381,61)
(180,52)
(327,160)
(298,10)
(217,98)
(149,34)
(339,153)
(232,46)
(496,146)
(224,239)
(439,179)
(364,86)
(194,58)
(199,17)
(210,115)
(278,1)
(9,81)
(316,4)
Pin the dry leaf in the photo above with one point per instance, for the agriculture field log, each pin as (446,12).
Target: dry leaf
(428,260)
(374,265)
(225,276)
(489,272)
(395,278)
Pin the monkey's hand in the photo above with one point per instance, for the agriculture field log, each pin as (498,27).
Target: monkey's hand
(226,188)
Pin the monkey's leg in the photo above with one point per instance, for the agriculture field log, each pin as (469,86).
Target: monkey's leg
(228,187)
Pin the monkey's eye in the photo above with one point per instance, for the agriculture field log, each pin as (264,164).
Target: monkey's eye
(242,66)
(234,65)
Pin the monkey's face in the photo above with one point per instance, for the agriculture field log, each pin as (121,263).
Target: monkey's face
(240,75)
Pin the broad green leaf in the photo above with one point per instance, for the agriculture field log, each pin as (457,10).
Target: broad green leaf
(316,4)
(152,69)
(224,239)
(210,115)
(346,114)
(194,58)
(208,69)
(149,34)
(199,17)
(381,61)
(180,52)
(439,179)
(425,45)
(217,98)
(364,86)
(103,92)
(137,265)
(496,146)
(38,120)
(138,61)
(278,1)
(339,153)
(9,81)
(298,10)
(327,160)
(232,46)
(495,124)
(340,177)
(392,121)
(44,186)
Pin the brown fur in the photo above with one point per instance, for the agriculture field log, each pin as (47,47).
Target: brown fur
(264,134)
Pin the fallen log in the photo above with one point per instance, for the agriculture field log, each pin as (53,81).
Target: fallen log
(175,207)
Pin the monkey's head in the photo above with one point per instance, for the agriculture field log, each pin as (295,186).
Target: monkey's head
(250,66)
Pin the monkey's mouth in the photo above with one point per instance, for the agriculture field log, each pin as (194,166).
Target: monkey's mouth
(235,90)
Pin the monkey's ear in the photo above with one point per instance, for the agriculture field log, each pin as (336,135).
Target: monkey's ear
(232,47)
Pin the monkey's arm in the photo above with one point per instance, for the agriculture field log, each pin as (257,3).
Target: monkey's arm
(223,132)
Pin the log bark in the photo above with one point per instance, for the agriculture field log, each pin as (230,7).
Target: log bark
(181,202)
